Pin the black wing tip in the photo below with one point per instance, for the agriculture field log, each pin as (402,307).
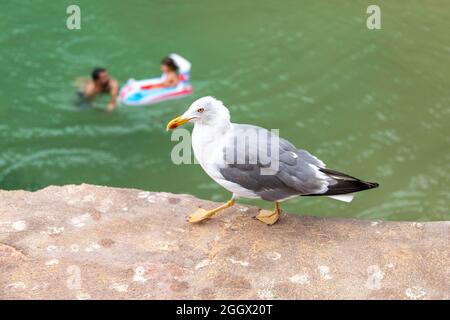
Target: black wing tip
(368,185)
(372,185)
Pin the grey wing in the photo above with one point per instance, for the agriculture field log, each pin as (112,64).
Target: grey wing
(293,172)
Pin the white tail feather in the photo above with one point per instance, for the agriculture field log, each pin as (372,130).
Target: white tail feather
(343,197)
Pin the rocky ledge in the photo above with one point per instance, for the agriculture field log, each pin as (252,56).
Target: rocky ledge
(90,242)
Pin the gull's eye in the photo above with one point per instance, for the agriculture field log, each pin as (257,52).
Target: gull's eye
(200,110)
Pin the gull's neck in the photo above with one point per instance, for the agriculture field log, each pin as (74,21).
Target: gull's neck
(207,137)
(210,131)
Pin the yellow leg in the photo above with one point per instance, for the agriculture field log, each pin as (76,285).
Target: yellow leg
(201,214)
(269,217)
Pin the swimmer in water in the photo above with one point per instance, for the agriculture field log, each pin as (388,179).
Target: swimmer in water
(101,83)
(170,72)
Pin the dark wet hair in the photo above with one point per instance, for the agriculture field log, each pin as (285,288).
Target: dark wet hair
(96,73)
(168,61)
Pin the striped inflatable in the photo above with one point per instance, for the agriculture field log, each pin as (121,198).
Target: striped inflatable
(149,91)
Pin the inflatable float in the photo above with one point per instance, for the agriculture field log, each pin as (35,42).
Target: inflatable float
(145,92)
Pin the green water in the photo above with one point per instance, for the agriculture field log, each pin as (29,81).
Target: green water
(375,104)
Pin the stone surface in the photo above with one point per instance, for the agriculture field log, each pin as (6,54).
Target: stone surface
(89,242)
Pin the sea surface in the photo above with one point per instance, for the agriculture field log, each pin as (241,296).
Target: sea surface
(371,103)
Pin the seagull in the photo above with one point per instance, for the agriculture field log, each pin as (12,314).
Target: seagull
(252,162)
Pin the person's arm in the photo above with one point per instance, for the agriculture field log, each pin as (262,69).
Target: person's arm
(171,80)
(114,91)
(89,91)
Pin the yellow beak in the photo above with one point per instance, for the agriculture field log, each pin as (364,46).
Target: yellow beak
(178,121)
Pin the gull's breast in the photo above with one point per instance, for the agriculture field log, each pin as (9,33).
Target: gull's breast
(208,146)
(209,151)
